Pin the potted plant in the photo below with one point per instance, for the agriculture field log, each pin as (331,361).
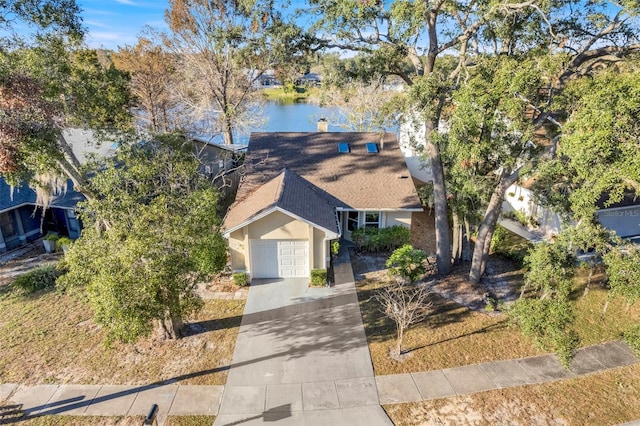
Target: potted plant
(49,242)
(63,244)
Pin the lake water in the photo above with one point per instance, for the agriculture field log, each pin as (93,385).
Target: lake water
(291,117)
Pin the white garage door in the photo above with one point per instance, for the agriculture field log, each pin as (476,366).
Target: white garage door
(280,258)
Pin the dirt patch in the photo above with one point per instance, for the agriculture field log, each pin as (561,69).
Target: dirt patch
(502,281)
(24,260)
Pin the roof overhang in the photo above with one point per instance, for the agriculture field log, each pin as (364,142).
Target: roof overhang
(330,234)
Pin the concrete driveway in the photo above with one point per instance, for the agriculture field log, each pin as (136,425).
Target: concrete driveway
(301,358)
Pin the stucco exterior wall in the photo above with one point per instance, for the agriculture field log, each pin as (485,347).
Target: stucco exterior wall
(521,199)
(625,221)
(397,218)
(237,249)
(278,226)
(318,249)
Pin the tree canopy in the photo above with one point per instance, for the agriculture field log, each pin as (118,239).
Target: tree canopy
(149,237)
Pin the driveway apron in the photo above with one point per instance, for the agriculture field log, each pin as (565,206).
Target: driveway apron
(301,358)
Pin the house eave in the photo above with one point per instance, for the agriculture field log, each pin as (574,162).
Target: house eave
(330,234)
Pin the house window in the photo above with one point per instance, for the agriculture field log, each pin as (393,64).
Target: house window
(6,225)
(372,219)
(352,221)
(72,221)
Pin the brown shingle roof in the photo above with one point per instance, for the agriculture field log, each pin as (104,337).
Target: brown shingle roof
(357,180)
(291,193)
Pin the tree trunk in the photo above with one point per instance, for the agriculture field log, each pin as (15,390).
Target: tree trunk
(170,328)
(456,252)
(466,241)
(488,226)
(227,131)
(443,245)
(399,342)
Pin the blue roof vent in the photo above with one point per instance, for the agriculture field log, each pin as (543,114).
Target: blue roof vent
(343,147)
(372,148)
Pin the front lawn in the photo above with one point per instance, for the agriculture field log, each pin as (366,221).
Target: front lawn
(50,338)
(452,336)
(455,335)
(605,398)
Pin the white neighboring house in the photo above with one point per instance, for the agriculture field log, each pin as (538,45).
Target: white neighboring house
(623,217)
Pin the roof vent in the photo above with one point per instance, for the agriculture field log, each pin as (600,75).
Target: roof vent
(343,147)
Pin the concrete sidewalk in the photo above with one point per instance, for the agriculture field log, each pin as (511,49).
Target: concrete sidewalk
(467,379)
(111,400)
(331,402)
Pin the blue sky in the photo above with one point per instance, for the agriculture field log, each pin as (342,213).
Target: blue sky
(113,23)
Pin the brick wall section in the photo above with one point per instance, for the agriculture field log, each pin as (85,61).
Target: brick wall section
(423,231)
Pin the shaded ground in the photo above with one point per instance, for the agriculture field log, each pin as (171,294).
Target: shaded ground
(24,259)
(503,279)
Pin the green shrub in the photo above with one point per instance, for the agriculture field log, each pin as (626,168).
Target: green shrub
(509,245)
(241,279)
(408,263)
(318,277)
(40,278)
(335,247)
(63,241)
(381,239)
(51,236)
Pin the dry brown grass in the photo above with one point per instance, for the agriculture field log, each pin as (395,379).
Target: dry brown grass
(80,421)
(51,338)
(605,398)
(455,335)
(452,336)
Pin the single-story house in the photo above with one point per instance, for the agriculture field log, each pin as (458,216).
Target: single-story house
(302,190)
(22,221)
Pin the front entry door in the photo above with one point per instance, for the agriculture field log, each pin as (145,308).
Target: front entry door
(349,223)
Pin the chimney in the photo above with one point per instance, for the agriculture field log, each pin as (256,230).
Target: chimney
(323,125)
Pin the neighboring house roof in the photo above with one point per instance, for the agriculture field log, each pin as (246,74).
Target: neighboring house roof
(11,198)
(85,144)
(21,195)
(286,192)
(234,148)
(356,179)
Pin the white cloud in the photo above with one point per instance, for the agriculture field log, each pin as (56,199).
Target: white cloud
(97,24)
(127,2)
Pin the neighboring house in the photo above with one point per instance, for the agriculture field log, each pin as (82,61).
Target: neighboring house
(22,221)
(540,222)
(623,217)
(310,79)
(302,190)
(220,163)
(21,218)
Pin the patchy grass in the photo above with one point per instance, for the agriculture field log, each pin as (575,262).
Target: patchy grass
(452,336)
(279,94)
(51,338)
(606,398)
(190,420)
(594,325)
(60,420)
